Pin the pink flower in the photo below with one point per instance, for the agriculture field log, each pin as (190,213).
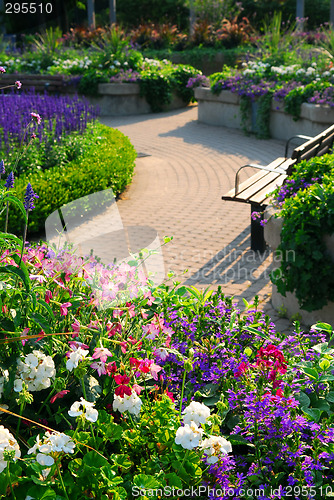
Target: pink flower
(48,296)
(101,353)
(23,334)
(123,347)
(113,328)
(111,368)
(137,388)
(36,117)
(18,84)
(100,367)
(2,69)
(76,326)
(155,369)
(59,395)
(63,308)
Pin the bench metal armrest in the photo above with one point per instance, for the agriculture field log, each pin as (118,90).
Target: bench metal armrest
(299,136)
(277,170)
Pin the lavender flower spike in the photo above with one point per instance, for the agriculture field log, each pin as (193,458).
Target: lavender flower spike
(9,184)
(29,198)
(2,168)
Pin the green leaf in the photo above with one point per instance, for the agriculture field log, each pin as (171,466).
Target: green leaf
(46,306)
(93,459)
(313,413)
(330,397)
(173,480)
(209,390)
(322,327)
(145,482)
(303,399)
(24,269)
(18,203)
(93,388)
(40,493)
(9,236)
(253,330)
(236,439)
(311,372)
(17,272)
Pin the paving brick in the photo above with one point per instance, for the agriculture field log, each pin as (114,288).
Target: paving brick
(177,192)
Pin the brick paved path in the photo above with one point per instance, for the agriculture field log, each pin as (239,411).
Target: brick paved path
(177,191)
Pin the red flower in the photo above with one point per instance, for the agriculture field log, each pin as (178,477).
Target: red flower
(241,370)
(121,379)
(123,389)
(111,368)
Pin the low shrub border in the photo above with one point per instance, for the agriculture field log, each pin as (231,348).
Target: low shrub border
(107,165)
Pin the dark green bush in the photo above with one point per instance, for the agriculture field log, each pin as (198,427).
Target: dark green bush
(108,164)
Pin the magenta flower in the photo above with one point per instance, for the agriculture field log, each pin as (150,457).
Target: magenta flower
(101,353)
(48,296)
(2,69)
(36,117)
(63,308)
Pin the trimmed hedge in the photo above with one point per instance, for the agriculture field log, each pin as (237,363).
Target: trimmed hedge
(109,164)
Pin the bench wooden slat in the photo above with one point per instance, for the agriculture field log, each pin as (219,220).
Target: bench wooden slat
(251,180)
(301,151)
(262,197)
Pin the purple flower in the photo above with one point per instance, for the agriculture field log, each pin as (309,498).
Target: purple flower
(2,167)
(9,184)
(29,198)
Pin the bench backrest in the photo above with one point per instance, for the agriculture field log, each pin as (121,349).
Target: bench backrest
(317,146)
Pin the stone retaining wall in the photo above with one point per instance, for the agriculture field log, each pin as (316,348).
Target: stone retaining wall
(224,110)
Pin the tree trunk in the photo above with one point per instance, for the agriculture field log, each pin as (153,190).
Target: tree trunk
(91,14)
(112,12)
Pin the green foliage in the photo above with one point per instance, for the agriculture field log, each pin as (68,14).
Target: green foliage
(306,267)
(295,98)
(158,84)
(107,164)
(89,82)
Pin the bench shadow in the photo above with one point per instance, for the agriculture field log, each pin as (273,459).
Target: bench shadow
(236,265)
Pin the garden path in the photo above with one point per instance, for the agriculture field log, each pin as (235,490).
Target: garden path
(177,189)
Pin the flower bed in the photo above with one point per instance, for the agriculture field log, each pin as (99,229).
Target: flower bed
(276,101)
(109,387)
(301,229)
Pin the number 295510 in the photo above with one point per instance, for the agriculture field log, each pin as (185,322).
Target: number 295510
(28,8)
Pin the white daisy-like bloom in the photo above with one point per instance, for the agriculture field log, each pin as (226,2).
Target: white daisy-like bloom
(196,412)
(7,443)
(55,442)
(214,446)
(75,357)
(36,370)
(189,436)
(84,408)
(131,403)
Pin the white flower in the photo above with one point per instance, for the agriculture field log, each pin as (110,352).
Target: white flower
(189,436)
(36,370)
(215,446)
(84,408)
(54,442)
(75,357)
(7,443)
(131,403)
(196,412)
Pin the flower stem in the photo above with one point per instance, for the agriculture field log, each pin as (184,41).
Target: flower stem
(10,482)
(61,479)
(182,391)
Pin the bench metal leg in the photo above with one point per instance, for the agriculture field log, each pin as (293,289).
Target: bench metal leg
(257,234)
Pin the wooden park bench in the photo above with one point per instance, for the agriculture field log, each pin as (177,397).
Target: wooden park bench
(50,83)
(257,189)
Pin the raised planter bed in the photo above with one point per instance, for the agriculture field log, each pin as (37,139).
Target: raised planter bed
(224,110)
(289,304)
(123,99)
(113,99)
